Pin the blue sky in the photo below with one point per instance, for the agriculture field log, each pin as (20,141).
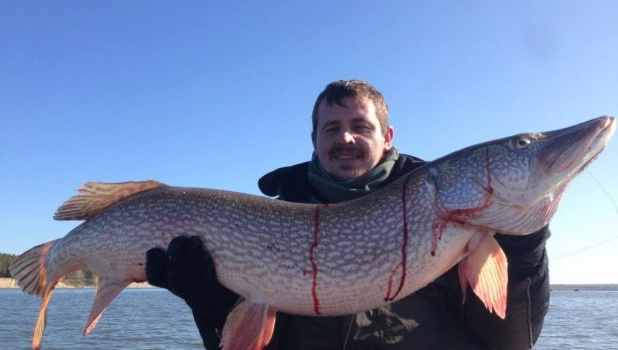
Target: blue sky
(215,94)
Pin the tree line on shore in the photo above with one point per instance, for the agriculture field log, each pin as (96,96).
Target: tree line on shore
(5,261)
(83,277)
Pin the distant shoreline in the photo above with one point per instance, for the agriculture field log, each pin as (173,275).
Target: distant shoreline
(9,283)
(585,287)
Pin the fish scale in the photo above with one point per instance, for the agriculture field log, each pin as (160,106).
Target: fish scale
(332,259)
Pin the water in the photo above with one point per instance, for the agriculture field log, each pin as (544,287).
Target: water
(581,320)
(155,319)
(141,319)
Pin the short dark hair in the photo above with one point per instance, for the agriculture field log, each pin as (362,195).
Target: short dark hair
(336,91)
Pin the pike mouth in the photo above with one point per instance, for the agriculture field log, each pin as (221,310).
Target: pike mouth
(584,149)
(600,142)
(587,163)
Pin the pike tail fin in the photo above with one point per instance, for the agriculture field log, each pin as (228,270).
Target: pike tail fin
(30,272)
(485,270)
(249,326)
(107,290)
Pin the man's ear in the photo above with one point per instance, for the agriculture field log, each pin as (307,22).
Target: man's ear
(388,138)
(313,139)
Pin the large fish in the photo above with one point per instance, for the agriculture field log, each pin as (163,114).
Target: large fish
(320,259)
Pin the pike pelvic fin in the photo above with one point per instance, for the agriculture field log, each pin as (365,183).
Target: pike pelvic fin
(249,326)
(485,270)
(107,290)
(95,197)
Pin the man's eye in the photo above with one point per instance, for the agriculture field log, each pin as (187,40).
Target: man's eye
(362,128)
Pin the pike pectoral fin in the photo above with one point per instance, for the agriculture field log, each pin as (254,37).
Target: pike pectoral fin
(249,326)
(107,289)
(485,270)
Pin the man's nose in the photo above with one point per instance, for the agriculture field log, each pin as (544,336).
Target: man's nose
(345,138)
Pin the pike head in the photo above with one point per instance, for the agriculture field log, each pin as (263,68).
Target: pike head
(514,185)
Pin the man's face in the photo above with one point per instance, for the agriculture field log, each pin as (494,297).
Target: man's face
(348,140)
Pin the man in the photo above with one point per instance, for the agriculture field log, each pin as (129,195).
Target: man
(354,155)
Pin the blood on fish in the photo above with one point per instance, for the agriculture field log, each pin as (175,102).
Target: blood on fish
(314,266)
(458,216)
(404,247)
(438,228)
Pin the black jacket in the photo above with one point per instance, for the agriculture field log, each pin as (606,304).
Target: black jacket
(433,317)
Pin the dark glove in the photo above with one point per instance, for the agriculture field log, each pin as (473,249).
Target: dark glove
(188,271)
(525,254)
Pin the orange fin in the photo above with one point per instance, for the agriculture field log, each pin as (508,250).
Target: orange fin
(41,320)
(107,290)
(249,326)
(29,269)
(95,197)
(485,270)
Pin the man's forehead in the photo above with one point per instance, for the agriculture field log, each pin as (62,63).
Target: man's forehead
(327,113)
(345,102)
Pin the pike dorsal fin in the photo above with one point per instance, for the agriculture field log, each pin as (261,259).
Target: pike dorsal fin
(95,197)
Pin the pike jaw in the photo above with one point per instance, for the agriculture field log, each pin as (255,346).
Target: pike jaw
(514,185)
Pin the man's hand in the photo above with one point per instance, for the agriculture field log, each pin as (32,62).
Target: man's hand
(188,271)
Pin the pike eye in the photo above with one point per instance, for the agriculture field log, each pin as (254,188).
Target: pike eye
(520,142)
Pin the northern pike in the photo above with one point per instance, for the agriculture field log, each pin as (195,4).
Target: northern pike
(324,259)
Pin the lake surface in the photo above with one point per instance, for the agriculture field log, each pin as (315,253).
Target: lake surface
(155,319)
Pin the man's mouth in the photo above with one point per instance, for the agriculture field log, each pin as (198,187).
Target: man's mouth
(341,153)
(346,156)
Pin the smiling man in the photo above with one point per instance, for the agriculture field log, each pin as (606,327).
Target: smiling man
(353,156)
(350,138)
